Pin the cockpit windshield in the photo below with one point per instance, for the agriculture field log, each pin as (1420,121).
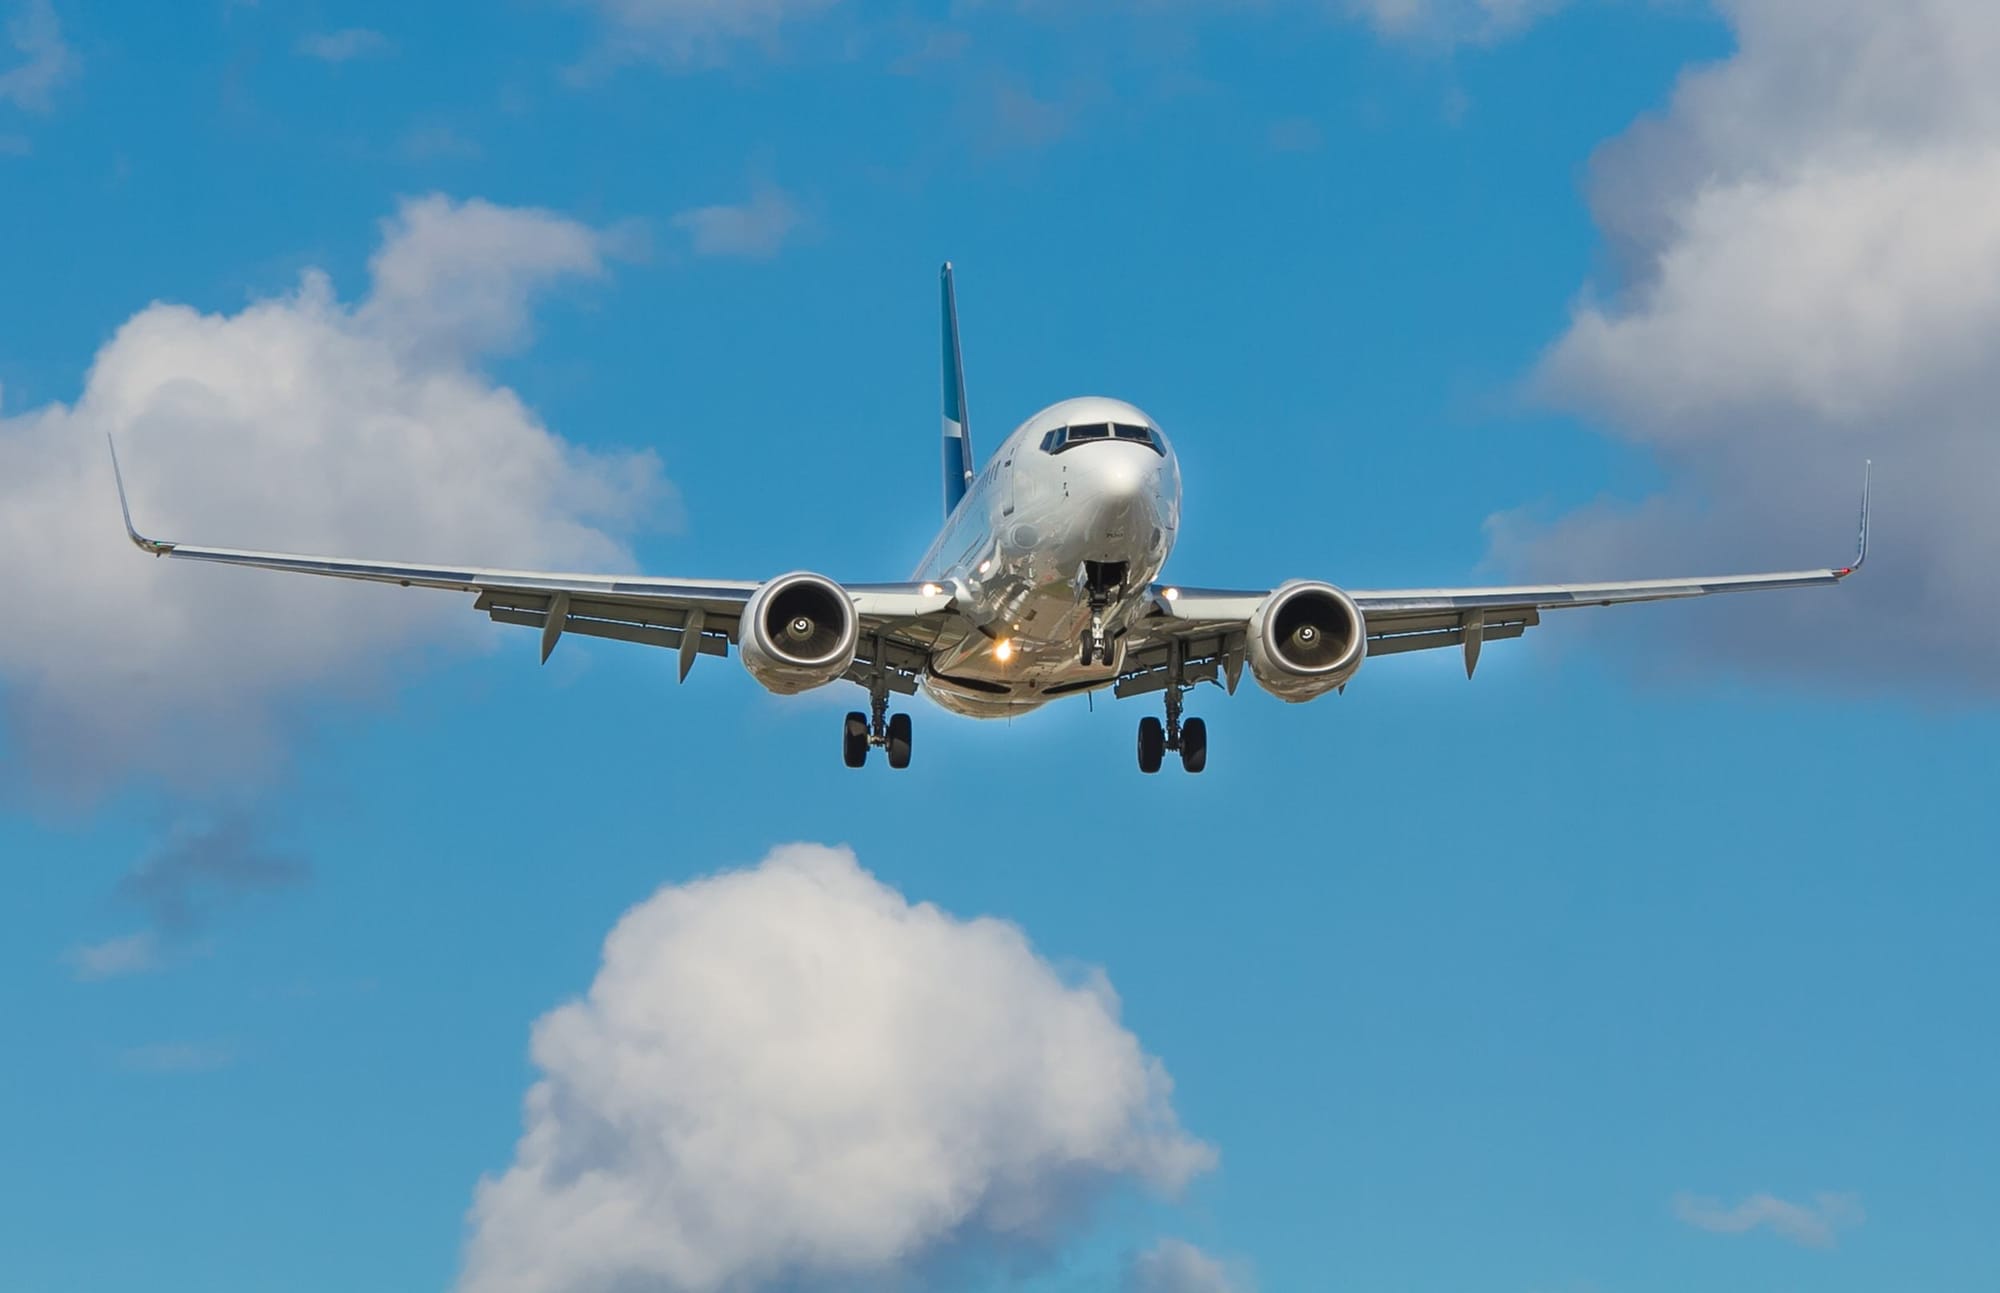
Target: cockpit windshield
(1071,436)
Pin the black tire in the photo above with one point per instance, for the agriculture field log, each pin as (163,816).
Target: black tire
(899,741)
(1194,745)
(1152,745)
(854,740)
(1087,653)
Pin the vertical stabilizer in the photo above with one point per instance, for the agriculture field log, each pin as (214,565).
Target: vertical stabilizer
(957,436)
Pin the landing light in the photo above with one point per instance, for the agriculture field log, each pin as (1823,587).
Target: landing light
(929,590)
(1003,649)
(986,566)
(1173,594)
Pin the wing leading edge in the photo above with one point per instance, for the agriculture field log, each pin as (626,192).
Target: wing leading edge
(1415,619)
(692,616)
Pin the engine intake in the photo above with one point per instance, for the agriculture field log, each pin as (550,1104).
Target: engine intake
(1306,639)
(798,632)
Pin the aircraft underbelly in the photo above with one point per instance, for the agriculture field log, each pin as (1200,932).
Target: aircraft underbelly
(1041,661)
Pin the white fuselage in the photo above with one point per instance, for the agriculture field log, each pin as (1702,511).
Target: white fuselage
(1049,516)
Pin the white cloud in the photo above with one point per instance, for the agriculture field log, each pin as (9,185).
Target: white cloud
(1812,1225)
(1811,277)
(1451,20)
(434,142)
(791,1077)
(695,31)
(117,958)
(680,33)
(48,61)
(177,1057)
(756,230)
(453,280)
(301,423)
(1294,135)
(1176,1266)
(346,45)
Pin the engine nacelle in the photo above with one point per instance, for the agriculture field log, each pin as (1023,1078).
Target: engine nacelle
(1305,639)
(798,632)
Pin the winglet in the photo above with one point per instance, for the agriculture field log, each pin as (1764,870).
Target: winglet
(139,540)
(1861,544)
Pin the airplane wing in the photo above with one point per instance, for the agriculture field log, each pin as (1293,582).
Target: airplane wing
(692,616)
(1205,627)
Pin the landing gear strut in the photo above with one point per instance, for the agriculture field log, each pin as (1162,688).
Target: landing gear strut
(1189,737)
(1103,580)
(877,728)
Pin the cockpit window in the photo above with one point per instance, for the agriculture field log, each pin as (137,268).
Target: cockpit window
(1069,437)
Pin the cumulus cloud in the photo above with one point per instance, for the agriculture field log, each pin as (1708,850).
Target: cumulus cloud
(304,423)
(1176,1266)
(46,59)
(1812,1225)
(453,280)
(755,230)
(1809,275)
(792,1077)
(346,45)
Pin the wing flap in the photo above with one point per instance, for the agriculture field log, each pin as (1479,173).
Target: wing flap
(1397,643)
(645,635)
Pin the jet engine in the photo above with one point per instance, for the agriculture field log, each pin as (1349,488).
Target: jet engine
(1305,639)
(798,632)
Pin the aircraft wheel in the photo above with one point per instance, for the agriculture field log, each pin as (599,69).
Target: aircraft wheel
(1194,745)
(1088,655)
(899,741)
(1152,744)
(854,740)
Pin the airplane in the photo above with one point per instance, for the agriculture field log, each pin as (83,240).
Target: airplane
(1044,582)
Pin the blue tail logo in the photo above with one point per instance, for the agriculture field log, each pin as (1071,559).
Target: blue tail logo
(957,436)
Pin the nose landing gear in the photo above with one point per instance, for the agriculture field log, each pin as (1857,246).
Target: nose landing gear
(1103,581)
(1095,648)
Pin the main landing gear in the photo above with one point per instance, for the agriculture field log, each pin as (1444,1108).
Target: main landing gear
(863,731)
(1189,738)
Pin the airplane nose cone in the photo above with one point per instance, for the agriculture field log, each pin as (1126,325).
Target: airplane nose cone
(1124,477)
(1123,488)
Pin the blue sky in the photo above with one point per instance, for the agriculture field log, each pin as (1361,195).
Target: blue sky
(1657,958)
